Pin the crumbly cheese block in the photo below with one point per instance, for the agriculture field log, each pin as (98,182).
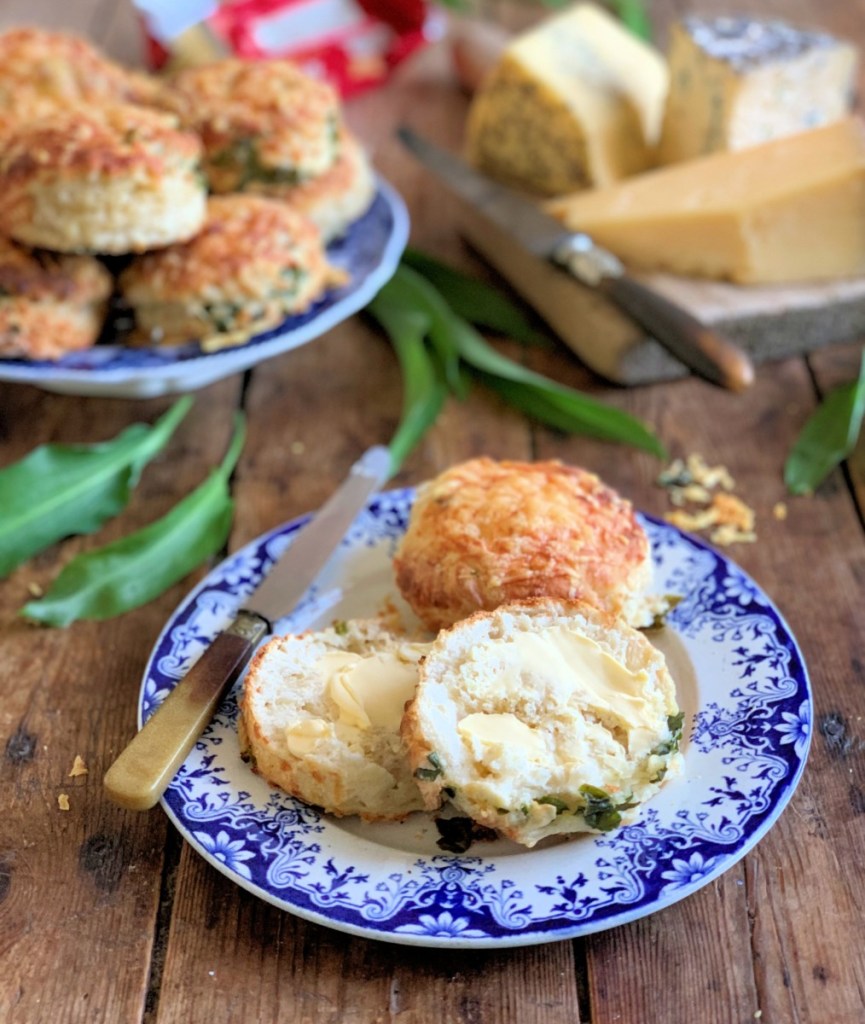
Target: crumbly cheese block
(737,82)
(576,101)
(789,210)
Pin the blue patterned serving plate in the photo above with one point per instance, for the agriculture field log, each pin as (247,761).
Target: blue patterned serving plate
(369,253)
(741,681)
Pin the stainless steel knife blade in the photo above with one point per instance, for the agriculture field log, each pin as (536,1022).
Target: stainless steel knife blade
(535,230)
(700,347)
(290,577)
(143,770)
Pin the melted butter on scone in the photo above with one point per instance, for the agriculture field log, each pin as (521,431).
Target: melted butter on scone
(370,691)
(304,736)
(576,662)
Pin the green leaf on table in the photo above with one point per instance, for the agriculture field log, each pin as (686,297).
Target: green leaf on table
(553,403)
(136,569)
(410,290)
(828,437)
(62,489)
(424,391)
(474,300)
(413,313)
(634,16)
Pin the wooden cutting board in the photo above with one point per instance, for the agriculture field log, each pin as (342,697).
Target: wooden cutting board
(770,322)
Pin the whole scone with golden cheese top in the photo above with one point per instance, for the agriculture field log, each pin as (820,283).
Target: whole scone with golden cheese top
(485,532)
(263,122)
(334,199)
(543,718)
(61,68)
(107,179)
(320,717)
(50,304)
(253,263)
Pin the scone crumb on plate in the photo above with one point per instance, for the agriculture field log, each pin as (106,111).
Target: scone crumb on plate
(78,767)
(63,801)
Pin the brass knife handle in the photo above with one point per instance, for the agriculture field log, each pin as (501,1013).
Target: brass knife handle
(146,766)
(700,347)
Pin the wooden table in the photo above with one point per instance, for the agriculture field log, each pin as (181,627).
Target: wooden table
(107,915)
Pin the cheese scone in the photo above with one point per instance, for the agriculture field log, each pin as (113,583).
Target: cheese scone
(543,718)
(105,179)
(320,718)
(61,68)
(254,262)
(485,532)
(333,199)
(50,304)
(260,121)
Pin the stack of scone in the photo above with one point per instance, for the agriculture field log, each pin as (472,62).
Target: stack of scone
(97,160)
(534,706)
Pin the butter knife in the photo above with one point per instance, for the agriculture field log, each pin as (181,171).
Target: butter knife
(144,769)
(698,346)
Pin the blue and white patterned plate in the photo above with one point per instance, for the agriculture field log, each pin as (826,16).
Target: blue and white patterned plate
(741,681)
(369,252)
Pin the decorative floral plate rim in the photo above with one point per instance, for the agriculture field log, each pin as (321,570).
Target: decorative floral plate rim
(745,746)
(370,252)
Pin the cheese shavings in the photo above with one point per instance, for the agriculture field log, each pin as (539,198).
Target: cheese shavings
(701,494)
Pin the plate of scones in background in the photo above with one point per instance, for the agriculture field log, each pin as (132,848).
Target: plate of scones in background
(159,234)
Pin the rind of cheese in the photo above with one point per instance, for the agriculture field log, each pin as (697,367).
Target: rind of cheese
(789,210)
(576,101)
(738,82)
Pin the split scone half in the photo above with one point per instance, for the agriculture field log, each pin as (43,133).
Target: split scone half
(485,532)
(320,717)
(113,179)
(543,718)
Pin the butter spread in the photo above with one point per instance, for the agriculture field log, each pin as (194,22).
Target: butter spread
(301,737)
(584,668)
(504,731)
(371,690)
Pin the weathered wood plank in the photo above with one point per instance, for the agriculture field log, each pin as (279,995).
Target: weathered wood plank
(79,888)
(745,937)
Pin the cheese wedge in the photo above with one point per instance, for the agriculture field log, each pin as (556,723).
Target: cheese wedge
(739,81)
(576,101)
(789,210)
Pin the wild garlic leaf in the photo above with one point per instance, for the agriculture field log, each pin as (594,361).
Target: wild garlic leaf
(412,291)
(136,569)
(424,390)
(474,300)
(547,400)
(828,437)
(634,16)
(63,489)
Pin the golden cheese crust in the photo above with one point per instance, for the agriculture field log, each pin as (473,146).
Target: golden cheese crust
(115,179)
(259,121)
(254,262)
(334,199)
(484,533)
(50,304)
(63,68)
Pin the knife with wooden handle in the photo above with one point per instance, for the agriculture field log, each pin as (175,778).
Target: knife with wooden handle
(697,345)
(144,769)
